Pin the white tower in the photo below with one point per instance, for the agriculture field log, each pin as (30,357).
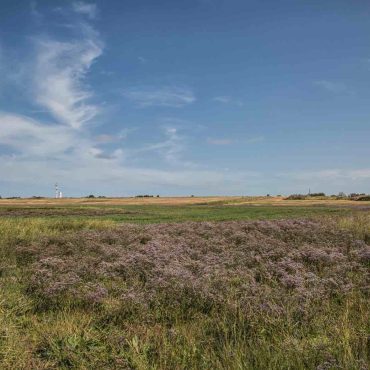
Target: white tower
(58,192)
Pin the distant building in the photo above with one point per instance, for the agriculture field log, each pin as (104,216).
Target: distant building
(58,193)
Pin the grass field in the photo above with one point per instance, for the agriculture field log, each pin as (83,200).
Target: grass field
(138,284)
(148,210)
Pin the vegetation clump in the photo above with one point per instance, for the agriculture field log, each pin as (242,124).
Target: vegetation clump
(275,294)
(364,198)
(296,197)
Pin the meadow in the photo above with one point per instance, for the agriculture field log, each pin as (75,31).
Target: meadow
(184,283)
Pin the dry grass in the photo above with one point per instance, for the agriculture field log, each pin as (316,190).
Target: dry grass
(235,200)
(113,201)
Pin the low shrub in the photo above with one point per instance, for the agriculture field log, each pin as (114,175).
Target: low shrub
(365,198)
(296,197)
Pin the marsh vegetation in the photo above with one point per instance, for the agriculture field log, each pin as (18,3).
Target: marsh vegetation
(89,292)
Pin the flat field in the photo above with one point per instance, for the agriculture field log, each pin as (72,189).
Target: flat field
(149,210)
(184,283)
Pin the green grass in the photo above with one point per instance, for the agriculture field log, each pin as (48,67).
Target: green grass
(83,338)
(153,214)
(174,213)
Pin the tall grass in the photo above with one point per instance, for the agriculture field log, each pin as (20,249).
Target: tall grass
(19,323)
(235,295)
(356,223)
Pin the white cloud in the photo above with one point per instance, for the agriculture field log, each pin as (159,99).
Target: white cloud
(170,149)
(111,178)
(173,146)
(330,180)
(331,174)
(227,141)
(175,97)
(223,141)
(332,86)
(45,153)
(34,11)
(255,139)
(363,173)
(107,138)
(88,9)
(31,139)
(224,99)
(60,71)
(58,85)
(48,153)
(142,60)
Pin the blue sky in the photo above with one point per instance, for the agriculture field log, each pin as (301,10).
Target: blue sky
(179,97)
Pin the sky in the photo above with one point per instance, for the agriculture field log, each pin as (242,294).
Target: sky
(181,97)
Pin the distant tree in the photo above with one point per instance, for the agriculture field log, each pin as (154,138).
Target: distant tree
(91,196)
(296,197)
(355,195)
(341,194)
(364,198)
(317,195)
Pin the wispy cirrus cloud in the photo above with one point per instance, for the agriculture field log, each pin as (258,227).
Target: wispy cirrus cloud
(173,146)
(30,138)
(142,60)
(175,97)
(34,11)
(225,99)
(61,68)
(332,86)
(220,141)
(228,141)
(88,9)
(170,149)
(58,70)
(31,141)
(255,139)
(109,138)
(222,99)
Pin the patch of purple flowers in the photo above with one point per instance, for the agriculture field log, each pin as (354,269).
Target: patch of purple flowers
(260,265)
